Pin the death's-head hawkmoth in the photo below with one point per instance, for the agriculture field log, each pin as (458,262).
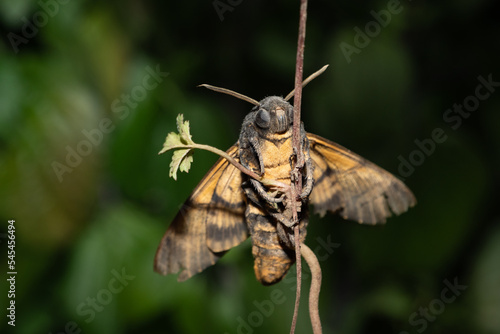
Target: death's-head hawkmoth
(227,206)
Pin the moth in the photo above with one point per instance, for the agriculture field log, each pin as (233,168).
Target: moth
(227,206)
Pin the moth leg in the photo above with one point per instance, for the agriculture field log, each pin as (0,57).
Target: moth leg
(280,218)
(254,142)
(263,193)
(307,188)
(250,150)
(306,164)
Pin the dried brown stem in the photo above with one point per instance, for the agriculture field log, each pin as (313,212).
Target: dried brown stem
(313,263)
(296,176)
(299,69)
(223,154)
(299,278)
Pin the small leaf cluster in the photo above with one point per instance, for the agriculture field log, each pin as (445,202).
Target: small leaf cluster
(183,156)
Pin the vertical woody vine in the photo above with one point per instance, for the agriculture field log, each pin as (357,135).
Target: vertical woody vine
(296,188)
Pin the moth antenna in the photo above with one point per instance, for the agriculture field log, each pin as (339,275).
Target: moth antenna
(308,80)
(230,92)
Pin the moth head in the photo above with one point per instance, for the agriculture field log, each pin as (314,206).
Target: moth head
(273,114)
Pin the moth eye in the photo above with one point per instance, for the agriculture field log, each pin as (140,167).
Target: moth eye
(263,119)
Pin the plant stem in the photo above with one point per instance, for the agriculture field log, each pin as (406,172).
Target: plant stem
(313,263)
(299,69)
(221,153)
(296,173)
(298,263)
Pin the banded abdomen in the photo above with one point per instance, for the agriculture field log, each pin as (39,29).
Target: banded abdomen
(272,258)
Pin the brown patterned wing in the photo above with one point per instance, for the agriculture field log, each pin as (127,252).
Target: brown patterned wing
(352,186)
(210,222)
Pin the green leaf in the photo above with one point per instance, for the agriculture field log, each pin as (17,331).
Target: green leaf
(174,140)
(183,128)
(181,160)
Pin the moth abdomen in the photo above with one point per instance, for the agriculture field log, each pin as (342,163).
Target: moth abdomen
(271,259)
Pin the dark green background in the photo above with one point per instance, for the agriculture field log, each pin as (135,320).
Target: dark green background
(110,212)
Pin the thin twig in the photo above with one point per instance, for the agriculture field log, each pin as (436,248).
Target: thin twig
(296,174)
(299,69)
(313,263)
(215,150)
(298,261)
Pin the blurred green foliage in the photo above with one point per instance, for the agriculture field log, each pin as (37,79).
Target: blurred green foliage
(77,72)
